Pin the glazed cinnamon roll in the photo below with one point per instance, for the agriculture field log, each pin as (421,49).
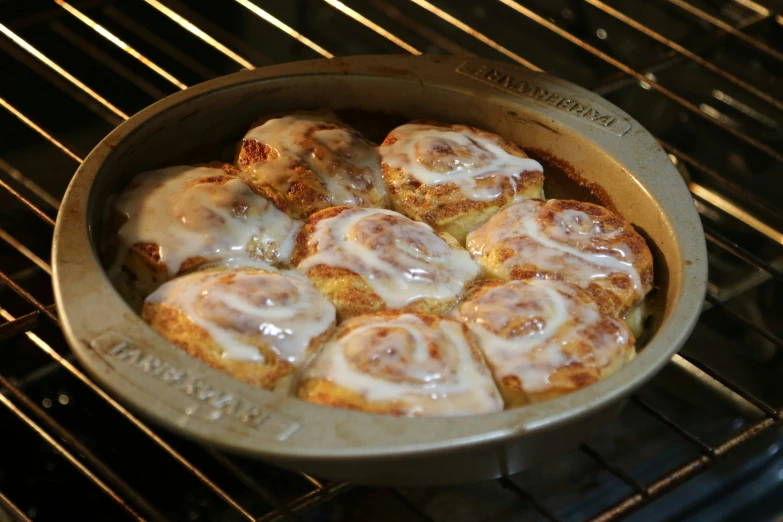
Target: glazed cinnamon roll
(310,160)
(543,338)
(454,177)
(257,326)
(402,364)
(169,221)
(367,260)
(576,242)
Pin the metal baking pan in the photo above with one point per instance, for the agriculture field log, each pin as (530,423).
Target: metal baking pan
(610,151)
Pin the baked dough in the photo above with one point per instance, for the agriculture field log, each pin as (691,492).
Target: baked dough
(454,177)
(170,221)
(580,243)
(401,363)
(306,161)
(256,325)
(543,338)
(367,260)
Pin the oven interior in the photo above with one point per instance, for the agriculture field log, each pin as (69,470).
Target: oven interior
(700,442)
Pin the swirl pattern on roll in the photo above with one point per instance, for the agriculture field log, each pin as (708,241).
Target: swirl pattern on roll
(401,363)
(310,160)
(373,259)
(573,241)
(543,338)
(454,177)
(184,216)
(238,319)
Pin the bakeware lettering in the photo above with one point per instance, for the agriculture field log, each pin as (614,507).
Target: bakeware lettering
(224,403)
(590,113)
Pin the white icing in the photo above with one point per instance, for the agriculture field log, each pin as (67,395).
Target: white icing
(435,156)
(281,312)
(525,328)
(575,247)
(392,359)
(346,163)
(187,218)
(402,260)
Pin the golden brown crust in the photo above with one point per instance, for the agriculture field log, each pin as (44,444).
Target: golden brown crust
(298,184)
(142,270)
(324,391)
(445,207)
(514,257)
(273,373)
(577,338)
(348,291)
(137,269)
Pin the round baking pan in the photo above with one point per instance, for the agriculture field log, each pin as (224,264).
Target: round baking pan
(572,130)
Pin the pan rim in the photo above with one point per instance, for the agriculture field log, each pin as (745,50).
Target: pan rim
(489,428)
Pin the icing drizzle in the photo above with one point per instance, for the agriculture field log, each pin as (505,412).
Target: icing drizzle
(431,369)
(530,329)
(402,260)
(572,244)
(236,307)
(436,156)
(202,211)
(346,163)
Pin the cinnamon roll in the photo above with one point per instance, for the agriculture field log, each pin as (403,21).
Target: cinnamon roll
(543,338)
(310,160)
(454,177)
(576,242)
(257,326)
(402,364)
(169,221)
(367,260)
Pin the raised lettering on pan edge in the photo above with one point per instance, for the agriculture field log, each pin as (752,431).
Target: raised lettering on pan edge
(268,424)
(596,116)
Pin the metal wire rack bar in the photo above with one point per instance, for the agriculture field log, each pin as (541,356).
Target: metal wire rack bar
(28,184)
(26,252)
(618,15)
(40,343)
(716,238)
(59,70)
(251,483)
(86,454)
(191,28)
(687,471)
(19,325)
(402,499)
(614,470)
(744,320)
(70,457)
(733,386)
(459,24)
(26,202)
(119,43)
(703,15)
(105,59)
(528,13)
(515,488)
(12,509)
(27,296)
(308,500)
(417,27)
(734,188)
(705,448)
(372,25)
(290,31)
(27,121)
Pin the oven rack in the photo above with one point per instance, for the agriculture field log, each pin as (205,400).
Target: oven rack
(744,23)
